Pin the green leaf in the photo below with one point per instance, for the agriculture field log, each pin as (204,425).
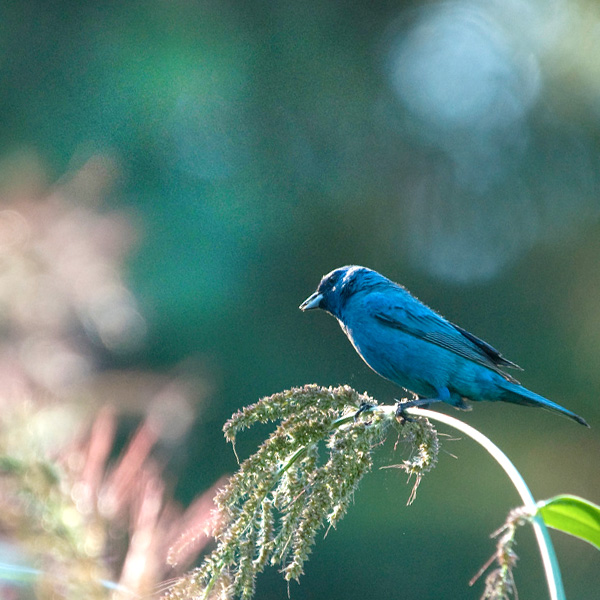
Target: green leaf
(572,515)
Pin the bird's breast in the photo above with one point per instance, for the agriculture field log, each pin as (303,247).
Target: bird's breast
(408,361)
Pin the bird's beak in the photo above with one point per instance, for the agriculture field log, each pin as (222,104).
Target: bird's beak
(312,302)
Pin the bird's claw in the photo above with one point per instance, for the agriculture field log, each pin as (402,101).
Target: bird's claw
(364,407)
(400,414)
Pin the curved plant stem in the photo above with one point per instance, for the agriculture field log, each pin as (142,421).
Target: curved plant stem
(549,560)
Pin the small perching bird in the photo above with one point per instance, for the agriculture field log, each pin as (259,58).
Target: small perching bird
(406,342)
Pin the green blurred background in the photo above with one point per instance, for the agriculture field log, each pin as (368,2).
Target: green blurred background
(452,146)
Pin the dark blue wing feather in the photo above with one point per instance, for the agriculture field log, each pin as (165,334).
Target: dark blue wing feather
(492,353)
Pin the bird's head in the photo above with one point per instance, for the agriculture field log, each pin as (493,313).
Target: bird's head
(338,286)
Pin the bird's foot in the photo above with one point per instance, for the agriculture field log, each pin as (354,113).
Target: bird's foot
(364,407)
(401,407)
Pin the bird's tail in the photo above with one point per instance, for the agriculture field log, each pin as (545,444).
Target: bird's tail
(513,392)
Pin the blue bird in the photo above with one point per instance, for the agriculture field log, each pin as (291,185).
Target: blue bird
(406,342)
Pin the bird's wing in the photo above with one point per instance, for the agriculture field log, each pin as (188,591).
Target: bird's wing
(420,321)
(489,350)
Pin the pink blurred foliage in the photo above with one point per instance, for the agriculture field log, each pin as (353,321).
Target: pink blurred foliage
(62,294)
(145,526)
(64,305)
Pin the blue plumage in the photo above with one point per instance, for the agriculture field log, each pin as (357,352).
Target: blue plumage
(406,342)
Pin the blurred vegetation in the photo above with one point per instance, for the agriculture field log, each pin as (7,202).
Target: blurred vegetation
(176,176)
